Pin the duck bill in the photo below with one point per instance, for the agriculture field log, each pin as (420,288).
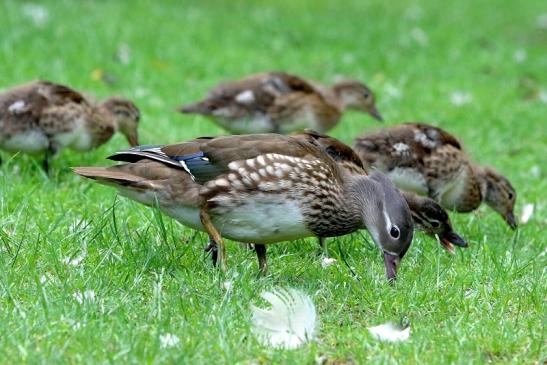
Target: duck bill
(132,139)
(510,220)
(451,239)
(375,114)
(391,262)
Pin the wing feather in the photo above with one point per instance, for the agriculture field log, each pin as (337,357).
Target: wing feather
(207,158)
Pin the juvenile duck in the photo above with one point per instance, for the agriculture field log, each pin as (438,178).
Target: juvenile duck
(282,103)
(428,160)
(262,188)
(45,117)
(428,215)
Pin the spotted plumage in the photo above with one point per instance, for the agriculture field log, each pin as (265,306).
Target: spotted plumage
(432,162)
(281,103)
(428,215)
(263,188)
(45,117)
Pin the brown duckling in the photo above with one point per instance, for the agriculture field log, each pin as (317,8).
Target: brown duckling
(430,161)
(282,103)
(42,117)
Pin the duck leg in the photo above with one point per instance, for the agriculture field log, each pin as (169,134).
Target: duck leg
(51,152)
(323,243)
(215,235)
(46,162)
(259,249)
(213,249)
(261,255)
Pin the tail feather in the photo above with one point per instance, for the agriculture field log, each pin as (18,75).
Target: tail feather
(201,107)
(110,176)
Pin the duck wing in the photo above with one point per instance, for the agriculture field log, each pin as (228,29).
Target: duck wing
(251,95)
(207,158)
(22,106)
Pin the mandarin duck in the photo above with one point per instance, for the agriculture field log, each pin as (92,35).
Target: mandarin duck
(428,216)
(262,188)
(281,103)
(45,117)
(430,161)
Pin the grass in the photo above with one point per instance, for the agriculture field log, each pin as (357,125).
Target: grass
(140,275)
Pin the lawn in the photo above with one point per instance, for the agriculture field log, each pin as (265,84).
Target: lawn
(89,277)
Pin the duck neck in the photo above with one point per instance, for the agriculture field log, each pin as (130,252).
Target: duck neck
(363,200)
(338,214)
(337,91)
(102,125)
(330,96)
(480,179)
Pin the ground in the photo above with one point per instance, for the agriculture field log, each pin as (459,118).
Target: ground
(89,277)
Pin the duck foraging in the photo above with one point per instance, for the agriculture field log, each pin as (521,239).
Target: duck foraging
(282,103)
(428,215)
(263,188)
(430,161)
(45,117)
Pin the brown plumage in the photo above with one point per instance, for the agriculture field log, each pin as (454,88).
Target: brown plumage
(428,215)
(428,160)
(281,103)
(45,117)
(261,188)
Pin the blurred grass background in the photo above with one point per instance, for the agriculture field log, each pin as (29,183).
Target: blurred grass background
(475,68)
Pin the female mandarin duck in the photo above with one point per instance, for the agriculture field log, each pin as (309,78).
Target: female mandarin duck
(428,215)
(426,159)
(262,188)
(282,103)
(45,117)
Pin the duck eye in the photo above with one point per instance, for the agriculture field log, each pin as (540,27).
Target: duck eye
(122,113)
(435,224)
(366,95)
(394,232)
(510,196)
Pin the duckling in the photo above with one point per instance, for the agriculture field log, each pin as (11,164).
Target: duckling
(263,188)
(282,103)
(45,117)
(430,161)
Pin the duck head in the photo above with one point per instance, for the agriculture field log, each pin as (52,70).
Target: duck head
(126,116)
(354,95)
(500,195)
(433,220)
(385,214)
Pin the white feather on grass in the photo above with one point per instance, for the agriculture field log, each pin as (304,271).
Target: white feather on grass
(169,340)
(390,332)
(527,213)
(289,323)
(461,98)
(328,261)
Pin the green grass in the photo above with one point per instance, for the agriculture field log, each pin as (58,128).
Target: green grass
(150,276)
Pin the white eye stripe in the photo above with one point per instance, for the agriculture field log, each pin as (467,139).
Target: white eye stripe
(390,226)
(388,221)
